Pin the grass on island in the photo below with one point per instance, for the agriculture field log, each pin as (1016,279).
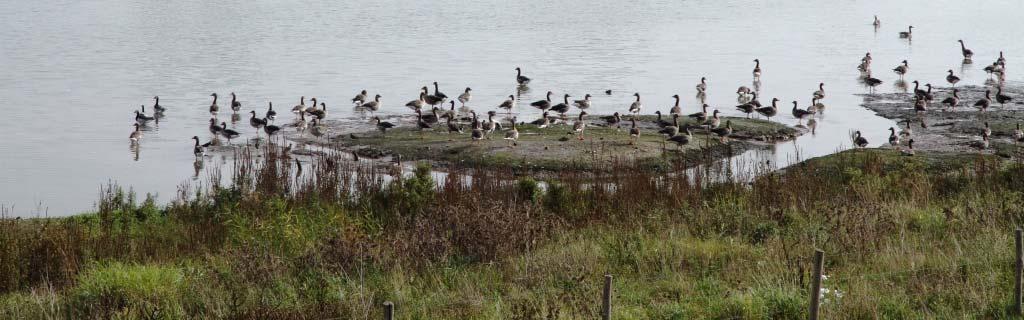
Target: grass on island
(928,236)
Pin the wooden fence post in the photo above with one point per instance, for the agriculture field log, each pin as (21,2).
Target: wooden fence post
(606,298)
(1019,272)
(819,261)
(389,310)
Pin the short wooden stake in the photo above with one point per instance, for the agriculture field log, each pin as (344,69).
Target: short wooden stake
(606,299)
(1019,272)
(819,261)
(389,310)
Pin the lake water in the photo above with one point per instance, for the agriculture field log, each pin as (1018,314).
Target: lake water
(75,70)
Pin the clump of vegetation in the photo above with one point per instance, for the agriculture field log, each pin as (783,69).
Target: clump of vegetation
(904,237)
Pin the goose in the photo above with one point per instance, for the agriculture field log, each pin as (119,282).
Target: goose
(872,82)
(966,52)
(543,104)
(301,107)
(543,122)
(580,125)
(680,139)
(372,106)
(927,95)
(662,122)
(673,129)
(859,140)
(816,106)
(199,149)
(753,100)
(508,104)
(909,151)
(157,108)
(256,122)
(316,128)
(920,104)
(864,66)
(608,92)
(270,129)
(214,128)
(300,125)
(993,69)
(757,68)
(431,118)
(987,131)
(985,102)
(420,123)
(636,106)
(319,113)
(908,33)
(431,99)
(235,105)
(908,130)
(769,111)
(490,125)
(583,104)
(747,108)
(136,135)
(877,22)
(724,132)
(953,100)
(902,69)
(563,107)
(520,78)
(1001,60)
(702,115)
(453,127)
(702,86)
(714,121)
(437,92)
(820,93)
(452,114)
(1000,97)
(634,132)
(951,78)
(1018,134)
(465,96)
(800,114)
(513,134)
(984,140)
(360,98)
(228,133)
(271,114)
(676,109)
(417,104)
(613,120)
(477,133)
(743,91)
(917,89)
(142,118)
(383,126)
(213,105)
(894,139)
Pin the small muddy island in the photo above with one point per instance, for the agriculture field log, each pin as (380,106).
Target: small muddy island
(557,146)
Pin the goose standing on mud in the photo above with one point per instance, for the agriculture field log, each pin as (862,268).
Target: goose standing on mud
(228,133)
(157,108)
(520,78)
(907,34)
(985,102)
(902,69)
(673,129)
(820,93)
(543,122)
(513,135)
(723,132)
(966,52)
(543,105)
(430,99)
(214,128)
(562,107)
(702,115)
(951,78)
(661,122)
(271,114)
(583,104)
(1000,97)
(431,118)
(613,120)
(417,105)
(859,140)
(636,106)
(634,132)
(757,69)
(383,126)
(702,87)
(676,109)
(301,107)
(894,139)
(907,131)
(136,134)
(953,100)
(580,125)
(1018,134)
(714,121)
(235,105)
(360,98)
(319,113)
(372,106)
(256,122)
(680,139)
(800,114)
(465,96)
(213,105)
(769,111)
(508,104)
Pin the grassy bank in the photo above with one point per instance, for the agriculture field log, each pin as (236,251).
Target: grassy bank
(904,237)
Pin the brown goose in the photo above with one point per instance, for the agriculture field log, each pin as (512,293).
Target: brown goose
(634,132)
(769,111)
(513,134)
(580,125)
(676,109)
(543,105)
(966,52)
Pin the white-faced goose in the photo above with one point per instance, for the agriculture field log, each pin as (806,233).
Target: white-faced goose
(702,86)
(672,129)
(372,106)
(513,135)
(563,107)
(543,104)
(136,134)
(583,104)
(636,105)
(157,108)
(680,139)
(723,132)
(1000,97)
(951,78)
(465,96)
(431,99)
(256,122)
(520,78)
(917,89)
(301,107)
(966,52)
(228,133)
(508,104)
(383,126)
(907,34)
(702,115)
(820,93)
(985,102)
(953,100)
(859,140)
(747,108)
(271,114)
(235,105)
(213,105)
(543,122)
(359,98)
(769,111)
(757,68)
(580,125)
(894,139)
(902,69)
(800,114)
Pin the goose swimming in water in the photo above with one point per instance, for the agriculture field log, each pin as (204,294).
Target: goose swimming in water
(372,106)
(636,106)
(902,69)
(235,105)
(319,113)
(757,68)
(228,133)
(702,86)
(200,149)
(985,102)
(563,107)
(360,98)
(872,82)
(800,114)
(214,128)
(966,52)
(583,104)
(508,104)
(953,100)
(769,111)
(513,134)
(271,114)
(1000,97)
(383,126)
(142,118)
(256,122)
(157,108)
(859,140)
(580,125)
(907,34)
(676,108)
(520,78)
(465,96)
(951,78)
(136,135)
(543,104)
(301,107)
(213,105)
